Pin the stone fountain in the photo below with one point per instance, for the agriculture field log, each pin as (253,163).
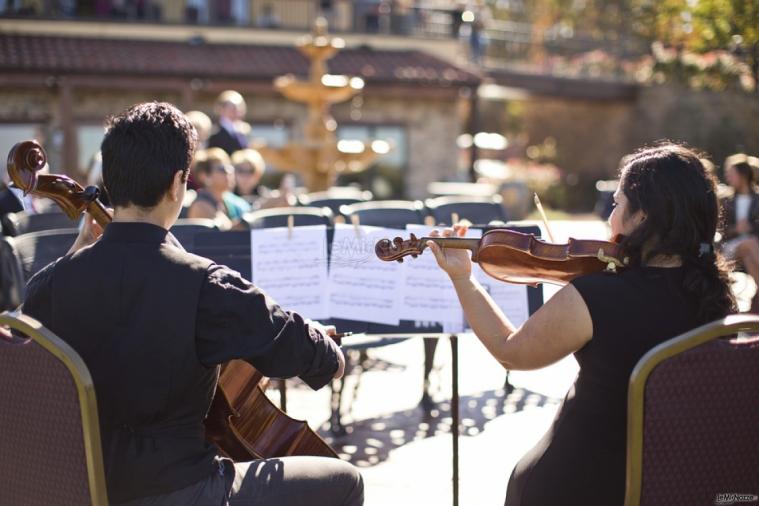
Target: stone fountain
(319,157)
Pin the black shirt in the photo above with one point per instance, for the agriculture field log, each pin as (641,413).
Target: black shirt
(581,459)
(152,323)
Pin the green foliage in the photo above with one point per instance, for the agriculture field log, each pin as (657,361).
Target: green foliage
(687,26)
(704,26)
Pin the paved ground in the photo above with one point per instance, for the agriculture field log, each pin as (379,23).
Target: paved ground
(404,451)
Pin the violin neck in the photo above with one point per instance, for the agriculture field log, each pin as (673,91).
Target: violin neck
(470,243)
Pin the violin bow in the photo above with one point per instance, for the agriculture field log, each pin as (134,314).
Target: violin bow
(543,215)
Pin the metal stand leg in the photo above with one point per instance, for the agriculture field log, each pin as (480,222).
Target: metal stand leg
(283,395)
(430,344)
(455,415)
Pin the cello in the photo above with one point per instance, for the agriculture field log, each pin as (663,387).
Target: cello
(519,258)
(242,422)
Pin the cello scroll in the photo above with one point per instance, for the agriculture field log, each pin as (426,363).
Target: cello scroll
(25,161)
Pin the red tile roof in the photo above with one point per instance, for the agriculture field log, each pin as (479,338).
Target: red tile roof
(78,55)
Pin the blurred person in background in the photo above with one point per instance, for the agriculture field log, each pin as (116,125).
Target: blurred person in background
(249,168)
(203,126)
(231,133)
(215,176)
(741,215)
(95,177)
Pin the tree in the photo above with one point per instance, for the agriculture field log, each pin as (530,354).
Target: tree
(702,26)
(732,25)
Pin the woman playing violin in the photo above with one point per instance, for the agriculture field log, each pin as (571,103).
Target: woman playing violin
(667,211)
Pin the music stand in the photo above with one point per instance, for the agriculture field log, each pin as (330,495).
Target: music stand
(233,249)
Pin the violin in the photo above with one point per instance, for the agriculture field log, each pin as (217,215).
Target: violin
(242,422)
(514,257)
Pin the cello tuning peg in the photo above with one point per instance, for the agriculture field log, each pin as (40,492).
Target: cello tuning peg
(400,260)
(414,255)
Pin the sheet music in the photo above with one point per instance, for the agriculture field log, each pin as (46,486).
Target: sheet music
(429,293)
(292,270)
(361,286)
(511,298)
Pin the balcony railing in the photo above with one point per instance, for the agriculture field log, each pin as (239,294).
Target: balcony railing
(361,16)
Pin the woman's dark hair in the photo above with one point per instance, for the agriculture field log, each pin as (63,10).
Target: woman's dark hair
(143,148)
(678,195)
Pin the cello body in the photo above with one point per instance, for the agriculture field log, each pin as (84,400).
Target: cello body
(245,425)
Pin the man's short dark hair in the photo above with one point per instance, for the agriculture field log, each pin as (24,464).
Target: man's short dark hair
(143,148)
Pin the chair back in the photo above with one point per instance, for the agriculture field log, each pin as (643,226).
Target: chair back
(27,223)
(335,197)
(230,248)
(186,228)
(50,450)
(478,210)
(11,275)
(455,188)
(279,216)
(386,213)
(693,417)
(37,249)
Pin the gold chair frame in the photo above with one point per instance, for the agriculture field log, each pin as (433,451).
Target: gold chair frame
(85,389)
(730,325)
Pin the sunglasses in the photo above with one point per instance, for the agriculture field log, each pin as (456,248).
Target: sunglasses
(222,168)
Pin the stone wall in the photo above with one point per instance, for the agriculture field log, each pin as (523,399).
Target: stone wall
(590,136)
(719,123)
(593,136)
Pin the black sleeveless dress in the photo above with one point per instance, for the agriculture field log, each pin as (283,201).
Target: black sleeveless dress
(581,459)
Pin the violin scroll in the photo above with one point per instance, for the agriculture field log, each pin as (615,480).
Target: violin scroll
(396,249)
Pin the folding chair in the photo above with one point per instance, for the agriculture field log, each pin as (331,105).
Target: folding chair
(11,275)
(50,449)
(28,223)
(37,249)
(386,213)
(279,216)
(185,229)
(335,197)
(230,248)
(455,188)
(478,210)
(693,418)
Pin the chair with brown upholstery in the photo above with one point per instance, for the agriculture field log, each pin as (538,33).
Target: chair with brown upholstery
(50,450)
(693,418)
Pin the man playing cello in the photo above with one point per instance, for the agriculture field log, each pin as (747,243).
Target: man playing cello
(153,322)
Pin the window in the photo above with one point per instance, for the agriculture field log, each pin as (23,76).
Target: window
(10,134)
(273,135)
(385,176)
(89,138)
